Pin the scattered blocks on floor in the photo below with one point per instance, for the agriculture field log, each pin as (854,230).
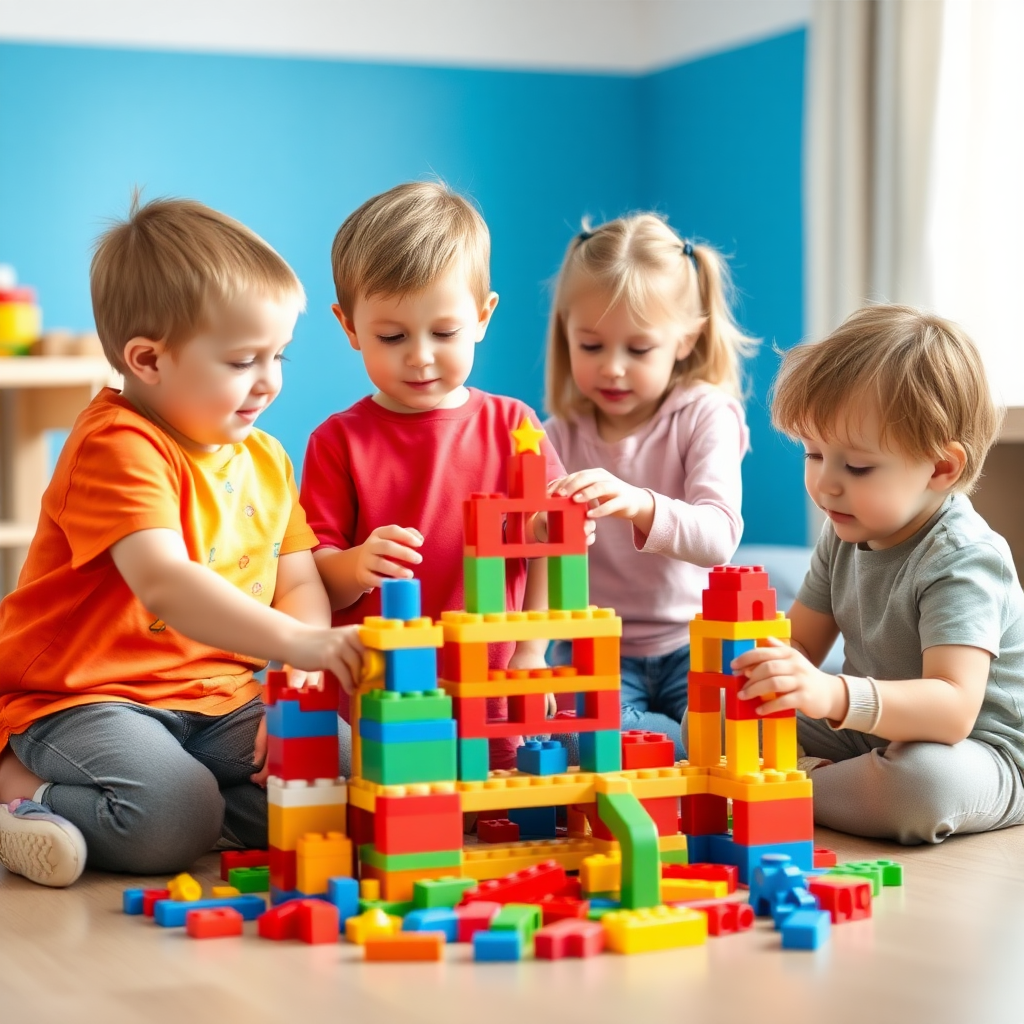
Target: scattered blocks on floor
(216,923)
(405,946)
(806,929)
(570,937)
(497,947)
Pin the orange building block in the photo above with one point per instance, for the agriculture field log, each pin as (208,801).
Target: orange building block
(405,946)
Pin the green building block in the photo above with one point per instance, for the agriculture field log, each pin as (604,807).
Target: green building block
(368,854)
(675,857)
(474,760)
(865,872)
(638,840)
(396,908)
(568,582)
(601,751)
(247,880)
(398,764)
(428,893)
(388,706)
(484,580)
(524,918)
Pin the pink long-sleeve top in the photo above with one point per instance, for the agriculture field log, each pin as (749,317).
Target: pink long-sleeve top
(688,457)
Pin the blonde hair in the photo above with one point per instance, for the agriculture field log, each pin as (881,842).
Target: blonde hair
(923,373)
(155,274)
(640,260)
(402,240)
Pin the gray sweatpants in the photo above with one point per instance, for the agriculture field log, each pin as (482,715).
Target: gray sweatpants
(153,790)
(910,792)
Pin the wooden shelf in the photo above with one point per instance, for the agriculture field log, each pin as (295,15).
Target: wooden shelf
(1013,426)
(55,371)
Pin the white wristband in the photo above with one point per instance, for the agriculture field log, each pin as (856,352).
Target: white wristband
(865,704)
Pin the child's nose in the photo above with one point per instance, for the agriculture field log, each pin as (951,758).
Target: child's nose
(421,352)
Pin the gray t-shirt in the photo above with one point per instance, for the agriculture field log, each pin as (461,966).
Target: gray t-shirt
(953,582)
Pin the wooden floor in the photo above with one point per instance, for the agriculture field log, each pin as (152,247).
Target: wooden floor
(948,946)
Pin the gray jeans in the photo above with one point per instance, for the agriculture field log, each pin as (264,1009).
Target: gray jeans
(153,790)
(910,792)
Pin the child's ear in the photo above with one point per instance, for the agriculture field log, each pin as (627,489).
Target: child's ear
(142,359)
(949,467)
(347,325)
(485,314)
(689,340)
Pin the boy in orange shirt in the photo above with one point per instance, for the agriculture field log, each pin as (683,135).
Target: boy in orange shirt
(171,560)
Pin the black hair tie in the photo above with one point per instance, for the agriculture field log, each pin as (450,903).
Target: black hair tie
(584,236)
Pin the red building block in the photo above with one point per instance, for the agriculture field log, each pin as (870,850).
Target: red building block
(573,888)
(737,577)
(642,749)
(279,923)
(760,822)
(561,908)
(484,519)
(242,859)
(725,917)
(150,898)
(746,710)
(310,698)
(705,691)
(524,886)
(739,605)
(824,857)
(727,873)
(475,917)
(664,812)
(703,814)
(213,923)
(359,825)
(319,922)
(308,757)
(569,938)
(497,830)
(418,824)
(846,899)
(283,868)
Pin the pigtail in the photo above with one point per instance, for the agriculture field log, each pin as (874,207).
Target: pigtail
(721,346)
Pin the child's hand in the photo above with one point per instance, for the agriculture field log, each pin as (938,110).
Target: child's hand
(605,495)
(376,561)
(335,650)
(540,528)
(782,671)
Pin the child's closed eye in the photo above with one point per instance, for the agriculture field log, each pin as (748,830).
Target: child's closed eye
(859,470)
(390,339)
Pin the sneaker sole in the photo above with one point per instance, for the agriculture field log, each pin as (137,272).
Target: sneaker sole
(40,850)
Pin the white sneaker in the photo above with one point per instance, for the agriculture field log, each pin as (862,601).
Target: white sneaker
(40,845)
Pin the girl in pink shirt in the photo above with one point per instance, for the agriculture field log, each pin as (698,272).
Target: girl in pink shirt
(644,387)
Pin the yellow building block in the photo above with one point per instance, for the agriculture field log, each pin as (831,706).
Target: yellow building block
(766,785)
(666,844)
(506,790)
(221,892)
(319,857)
(493,861)
(700,627)
(642,931)
(184,887)
(514,687)
(287,824)
(555,624)
(705,653)
(704,737)
(612,784)
(778,743)
(601,872)
(370,924)
(678,890)
(382,634)
(742,755)
(369,888)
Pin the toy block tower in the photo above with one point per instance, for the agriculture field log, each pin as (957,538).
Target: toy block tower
(306,800)
(496,528)
(739,613)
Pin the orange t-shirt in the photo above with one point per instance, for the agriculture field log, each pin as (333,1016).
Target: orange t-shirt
(74,633)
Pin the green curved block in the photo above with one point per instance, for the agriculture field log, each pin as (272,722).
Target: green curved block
(638,839)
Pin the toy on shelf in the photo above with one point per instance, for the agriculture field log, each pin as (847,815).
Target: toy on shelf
(657,865)
(21,319)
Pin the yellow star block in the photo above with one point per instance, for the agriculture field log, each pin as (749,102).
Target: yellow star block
(527,437)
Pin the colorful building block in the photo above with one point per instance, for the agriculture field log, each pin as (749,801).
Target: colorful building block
(213,924)
(390,706)
(410,669)
(542,757)
(484,580)
(396,764)
(638,840)
(400,599)
(344,894)
(497,947)
(372,923)
(475,917)
(845,898)
(725,917)
(242,859)
(247,880)
(642,749)
(417,823)
(320,857)
(171,913)
(806,929)
(407,732)
(497,830)
(435,893)
(600,751)
(434,919)
(405,946)
(524,918)
(570,937)
(286,719)
(651,928)
(474,760)
(520,886)
(568,582)
(184,887)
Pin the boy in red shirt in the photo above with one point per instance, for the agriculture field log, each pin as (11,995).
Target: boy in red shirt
(384,481)
(171,560)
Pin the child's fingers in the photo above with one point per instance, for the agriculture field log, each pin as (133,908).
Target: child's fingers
(385,569)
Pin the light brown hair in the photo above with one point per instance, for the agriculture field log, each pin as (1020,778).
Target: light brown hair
(923,373)
(402,240)
(155,274)
(640,260)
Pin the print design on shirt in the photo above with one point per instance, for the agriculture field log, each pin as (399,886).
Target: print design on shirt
(243,561)
(250,511)
(157,626)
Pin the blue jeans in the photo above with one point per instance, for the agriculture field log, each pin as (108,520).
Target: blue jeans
(654,690)
(151,790)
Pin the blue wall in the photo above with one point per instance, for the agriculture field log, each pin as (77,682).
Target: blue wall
(290,147)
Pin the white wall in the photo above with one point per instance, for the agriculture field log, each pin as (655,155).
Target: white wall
(604,35)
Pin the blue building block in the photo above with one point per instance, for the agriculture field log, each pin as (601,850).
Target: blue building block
(474,760)
(435,919)
(287,720)
(698,850)
(547,757)
(733,649)
(775,880)
(806,929)
(723,850)
(497,947)
(344,894)
(131,901)
(400,599)
(794,900)
(534,822)
(408,732)
(172,913)
(409,669)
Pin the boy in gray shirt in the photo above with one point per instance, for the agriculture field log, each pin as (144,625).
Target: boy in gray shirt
(921,736)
